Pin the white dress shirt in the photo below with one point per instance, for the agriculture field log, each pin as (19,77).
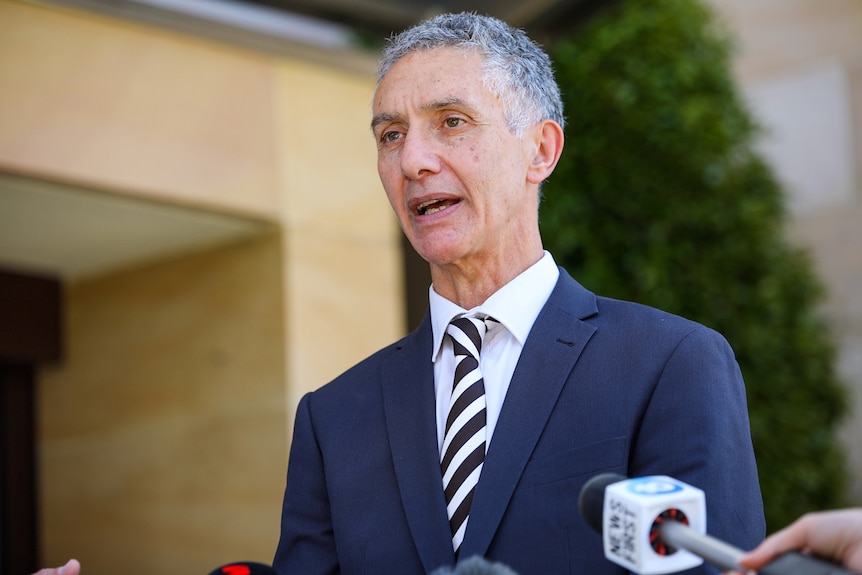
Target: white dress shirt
(516,306)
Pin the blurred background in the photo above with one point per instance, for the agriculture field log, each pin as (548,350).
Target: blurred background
(193,235)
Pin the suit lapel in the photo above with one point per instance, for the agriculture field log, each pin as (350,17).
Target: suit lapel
(409,405)
(549,355)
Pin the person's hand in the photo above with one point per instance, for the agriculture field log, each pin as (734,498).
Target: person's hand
(72,567)
(832,535)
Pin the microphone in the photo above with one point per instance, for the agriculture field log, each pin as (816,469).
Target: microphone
(244,568)
(657,524)
(630,514)
(475,565)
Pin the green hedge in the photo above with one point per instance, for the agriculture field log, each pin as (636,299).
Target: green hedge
(661,198)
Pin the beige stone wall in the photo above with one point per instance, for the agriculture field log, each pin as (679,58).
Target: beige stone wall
(136,110)
(164,431)
(801,62)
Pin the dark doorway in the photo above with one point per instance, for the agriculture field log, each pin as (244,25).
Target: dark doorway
(29,336)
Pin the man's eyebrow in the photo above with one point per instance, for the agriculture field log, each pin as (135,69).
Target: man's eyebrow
(382,119)
(429,107)
(456,103)
(447,103)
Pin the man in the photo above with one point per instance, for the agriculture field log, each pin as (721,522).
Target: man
(468,123)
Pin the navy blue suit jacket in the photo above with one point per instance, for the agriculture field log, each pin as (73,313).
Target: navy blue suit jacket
(601,386)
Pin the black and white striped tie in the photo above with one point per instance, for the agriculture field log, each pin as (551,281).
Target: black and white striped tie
(464,438)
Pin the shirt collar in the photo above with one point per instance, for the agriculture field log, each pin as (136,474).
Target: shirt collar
(516,305)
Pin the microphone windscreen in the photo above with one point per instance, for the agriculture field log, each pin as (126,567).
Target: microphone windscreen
(244,568)
(591,501)
(475,566)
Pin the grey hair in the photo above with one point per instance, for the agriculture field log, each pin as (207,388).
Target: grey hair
(516,68)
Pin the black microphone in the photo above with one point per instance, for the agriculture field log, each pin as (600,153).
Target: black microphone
(244,568)
(475,565)
(648,515)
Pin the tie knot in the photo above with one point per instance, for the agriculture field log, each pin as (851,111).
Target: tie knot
(467,333)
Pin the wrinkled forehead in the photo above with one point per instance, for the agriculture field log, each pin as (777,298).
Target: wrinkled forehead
(453,57)
(455,46)
(425,78)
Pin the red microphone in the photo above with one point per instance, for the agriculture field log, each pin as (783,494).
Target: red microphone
(244,568)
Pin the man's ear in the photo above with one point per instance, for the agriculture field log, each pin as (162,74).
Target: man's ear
(548,138)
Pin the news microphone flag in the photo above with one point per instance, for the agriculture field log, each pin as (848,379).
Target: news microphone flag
(630,517)
(648,523)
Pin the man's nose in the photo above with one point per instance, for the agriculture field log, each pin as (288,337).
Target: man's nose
(419,155)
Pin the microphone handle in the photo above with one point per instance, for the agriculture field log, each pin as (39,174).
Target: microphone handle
(709,548)
(794,563)
(727,556)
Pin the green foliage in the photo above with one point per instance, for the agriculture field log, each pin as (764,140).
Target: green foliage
(661,198)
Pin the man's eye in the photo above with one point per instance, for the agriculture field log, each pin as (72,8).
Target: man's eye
(390,136)
(453,122)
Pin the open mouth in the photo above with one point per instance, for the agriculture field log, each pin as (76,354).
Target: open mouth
(434,206)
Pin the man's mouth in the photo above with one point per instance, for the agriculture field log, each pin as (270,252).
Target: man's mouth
(433,206)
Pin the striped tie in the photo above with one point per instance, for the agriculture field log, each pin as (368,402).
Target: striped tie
(464,439)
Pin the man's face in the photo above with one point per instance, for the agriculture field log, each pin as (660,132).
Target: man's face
(454,173)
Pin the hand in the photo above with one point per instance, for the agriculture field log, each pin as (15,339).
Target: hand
(832,535)
(72,567)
